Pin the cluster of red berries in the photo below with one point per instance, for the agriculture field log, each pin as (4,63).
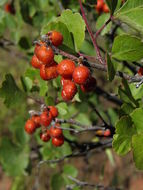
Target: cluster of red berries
(48,132)
(101,6)
(43,57)
(72,76)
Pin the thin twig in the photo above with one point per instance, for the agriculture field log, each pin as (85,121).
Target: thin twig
(102,27)
(91,34)
(82,126)
(84,184)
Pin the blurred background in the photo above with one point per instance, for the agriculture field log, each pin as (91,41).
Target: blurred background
(20,24)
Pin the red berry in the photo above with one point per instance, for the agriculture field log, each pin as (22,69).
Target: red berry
(140,71)
(46,118)
(35,62)
(38,45)
(66,68)
(43,72)
(107,133)
(30,126)
(49,72)
(69,90)
(45,137)
(65,81)
(89,86)
(45,54)
(53,111)
(105,8)
(81,75)
(58,141)
(99,6)
(56,132)
(9,8)
(56,38)
(37,120)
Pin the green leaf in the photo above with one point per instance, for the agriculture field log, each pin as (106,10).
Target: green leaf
(131,14)
(137,118)
(62,108)
(75,25)
(18,132)
(70,170)
(43,87)
(10,92)
(110,69)
(13,159)
(126,109)
(101,21)
(137,142)
(126,47)
(112,5)
(27,83)
(61,27)
(126,95)
(34,74)
(136,92)
(124,132)
(57,181)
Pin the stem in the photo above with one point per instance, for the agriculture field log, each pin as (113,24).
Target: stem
(91,34)
(100,30)
(82,126)
(99,66)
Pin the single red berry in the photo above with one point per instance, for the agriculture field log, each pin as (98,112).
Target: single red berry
(54,111)
(65,81)
(9,8)
(107,133)
(35,62)
(140,71)
(56,132)
(37,120)
(45,137)
(90,85)
(99,6)
(81,75)
(43,72)
(56,38)
(30,126)
(69,90)
(105,8)
(58,141)
(38,45)
(45,54)
(46,118)
(49,72)
(66,68)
